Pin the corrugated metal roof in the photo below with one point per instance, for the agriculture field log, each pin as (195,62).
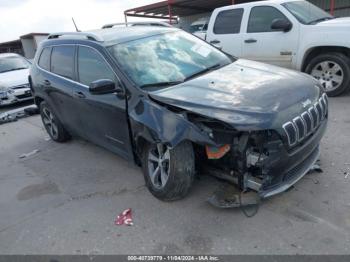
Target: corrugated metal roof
(179,7)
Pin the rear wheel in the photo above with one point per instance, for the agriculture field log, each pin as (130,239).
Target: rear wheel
(332,70)
(169,172)
(53,126)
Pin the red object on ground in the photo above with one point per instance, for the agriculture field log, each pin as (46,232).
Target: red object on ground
(124,218)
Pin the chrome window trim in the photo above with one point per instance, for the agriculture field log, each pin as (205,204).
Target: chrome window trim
(70,80)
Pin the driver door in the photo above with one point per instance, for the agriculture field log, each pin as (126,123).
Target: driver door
(102,118)
(261,43)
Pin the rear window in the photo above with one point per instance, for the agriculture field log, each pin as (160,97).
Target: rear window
(44,60)
(228,22)
(62,61)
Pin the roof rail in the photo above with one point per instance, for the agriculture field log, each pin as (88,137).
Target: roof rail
(89,36)
(153,23)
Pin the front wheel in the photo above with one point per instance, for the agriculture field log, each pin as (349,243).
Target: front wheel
(332,70)
(169,172)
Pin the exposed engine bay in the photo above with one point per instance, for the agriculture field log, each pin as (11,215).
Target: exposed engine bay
(256,160)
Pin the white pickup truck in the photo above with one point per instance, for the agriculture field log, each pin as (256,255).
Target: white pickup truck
(288,33)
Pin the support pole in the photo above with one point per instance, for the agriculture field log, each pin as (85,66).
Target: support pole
(126,19)
(332,7)
(233,2)
(169,12)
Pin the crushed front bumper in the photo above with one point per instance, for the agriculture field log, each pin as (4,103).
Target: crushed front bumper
(292,176)
(292,166)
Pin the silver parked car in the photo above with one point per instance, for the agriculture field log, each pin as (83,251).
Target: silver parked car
(14,86)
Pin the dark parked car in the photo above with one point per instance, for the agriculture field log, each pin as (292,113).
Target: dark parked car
(175,105)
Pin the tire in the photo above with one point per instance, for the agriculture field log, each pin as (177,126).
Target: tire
(180,167)
(333,72)
(52,124)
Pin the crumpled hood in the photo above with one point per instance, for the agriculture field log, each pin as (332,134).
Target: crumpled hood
(13,78)
(245,94)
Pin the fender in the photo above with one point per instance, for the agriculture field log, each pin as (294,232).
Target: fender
(158,124)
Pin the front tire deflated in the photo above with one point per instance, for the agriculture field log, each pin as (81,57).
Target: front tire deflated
(169,172)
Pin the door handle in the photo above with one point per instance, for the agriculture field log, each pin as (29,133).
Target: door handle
(79,94)
(215,42)
(251,40)
(47,82)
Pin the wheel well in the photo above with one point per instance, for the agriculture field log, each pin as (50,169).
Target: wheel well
(140,143)
(37,101)
(313,52)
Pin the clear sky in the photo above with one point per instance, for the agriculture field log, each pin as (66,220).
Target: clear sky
(19,17)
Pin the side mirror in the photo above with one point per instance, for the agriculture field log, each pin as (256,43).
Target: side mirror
(104,86)
(281,25)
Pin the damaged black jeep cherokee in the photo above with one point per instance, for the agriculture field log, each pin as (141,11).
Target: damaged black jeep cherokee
(176,105)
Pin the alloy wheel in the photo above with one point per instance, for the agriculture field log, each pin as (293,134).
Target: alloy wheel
(329,74)
(49,122)
(159,165)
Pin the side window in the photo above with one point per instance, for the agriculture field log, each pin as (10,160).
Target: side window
(92,67)
(261,18)
(44,60)
(62,61)
(228,22)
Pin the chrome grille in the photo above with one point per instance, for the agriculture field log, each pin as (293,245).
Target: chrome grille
(301,126)
(314,116)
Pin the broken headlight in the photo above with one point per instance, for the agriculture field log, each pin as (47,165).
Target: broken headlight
(220,132)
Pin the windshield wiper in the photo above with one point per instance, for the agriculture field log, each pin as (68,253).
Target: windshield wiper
(320,20)
(208,69)
(172,83)
(162,84)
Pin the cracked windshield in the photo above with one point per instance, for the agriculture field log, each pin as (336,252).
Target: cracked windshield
(167,59)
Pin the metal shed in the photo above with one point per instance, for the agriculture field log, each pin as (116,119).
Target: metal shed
(172,9)
(14,46)
(26,45)
(189,10)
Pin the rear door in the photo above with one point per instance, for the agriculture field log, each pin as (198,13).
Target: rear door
(261,43)
(102,118)
(224,30)
(57,80)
